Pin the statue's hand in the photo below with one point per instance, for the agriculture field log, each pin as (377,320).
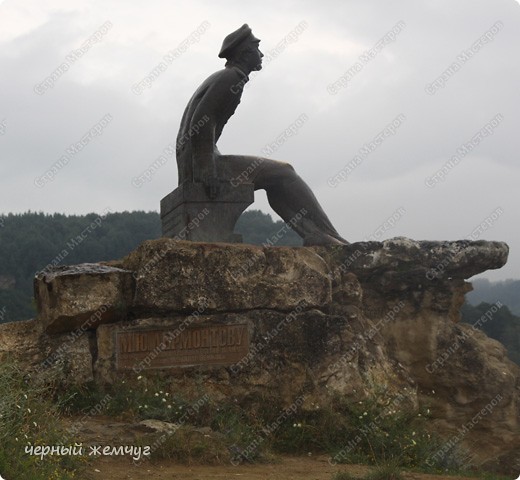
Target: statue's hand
(212,184)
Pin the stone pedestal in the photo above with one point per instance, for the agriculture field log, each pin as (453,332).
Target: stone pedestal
(249,322)
(188,213)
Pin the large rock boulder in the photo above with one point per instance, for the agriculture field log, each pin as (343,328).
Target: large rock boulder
(253,322)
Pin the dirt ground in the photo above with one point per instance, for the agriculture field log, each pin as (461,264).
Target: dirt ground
(107,431)
(287,468)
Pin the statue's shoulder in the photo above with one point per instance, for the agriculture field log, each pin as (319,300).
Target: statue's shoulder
(229,76)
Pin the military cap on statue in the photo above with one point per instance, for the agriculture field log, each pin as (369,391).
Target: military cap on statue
(233,40)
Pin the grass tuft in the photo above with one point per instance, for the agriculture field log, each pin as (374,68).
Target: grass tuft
(29,418)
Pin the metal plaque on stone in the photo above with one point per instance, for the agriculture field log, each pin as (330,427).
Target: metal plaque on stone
(163,348)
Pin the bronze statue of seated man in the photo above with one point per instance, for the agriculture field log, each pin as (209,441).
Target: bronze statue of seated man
(199,160)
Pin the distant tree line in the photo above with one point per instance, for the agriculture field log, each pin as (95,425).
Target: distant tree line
(30,242)
(506,292)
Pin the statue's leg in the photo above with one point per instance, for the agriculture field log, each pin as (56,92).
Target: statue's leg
(289,196)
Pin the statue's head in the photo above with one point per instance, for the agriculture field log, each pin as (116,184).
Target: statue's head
(242,47)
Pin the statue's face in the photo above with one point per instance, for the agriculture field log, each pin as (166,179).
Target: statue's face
(253,56)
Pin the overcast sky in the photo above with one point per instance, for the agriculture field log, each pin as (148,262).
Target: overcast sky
(336,74)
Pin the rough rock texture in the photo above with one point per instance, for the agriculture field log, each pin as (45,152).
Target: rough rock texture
(467,379)
(289,353)
(82,296)
(173,276)
(347,320)
(67,357)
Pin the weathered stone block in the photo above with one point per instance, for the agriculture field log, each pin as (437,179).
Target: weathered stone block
(402,262)
(82,296)
(174,276)
(188,213)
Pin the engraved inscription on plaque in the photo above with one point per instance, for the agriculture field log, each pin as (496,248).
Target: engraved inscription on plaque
(217,345)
